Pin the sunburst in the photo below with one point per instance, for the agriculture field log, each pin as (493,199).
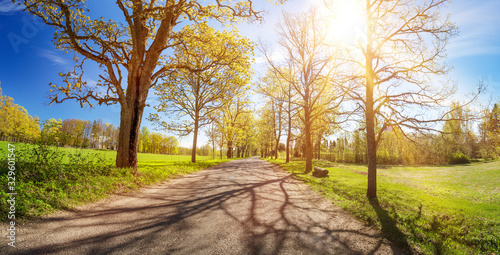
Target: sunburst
(346,21)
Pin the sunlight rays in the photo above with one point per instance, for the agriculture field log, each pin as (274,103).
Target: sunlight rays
(346,23)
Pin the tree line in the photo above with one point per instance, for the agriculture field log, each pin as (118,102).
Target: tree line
(233,128)
(460,141)
(17,125)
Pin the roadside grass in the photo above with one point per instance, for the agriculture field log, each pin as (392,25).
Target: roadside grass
(49,178)
(110,155)
(433,209)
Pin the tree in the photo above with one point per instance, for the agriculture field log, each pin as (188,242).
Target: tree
(266,125)
(273,87)
(87,133)
(79,131)
(229,124)
(15,121)
(223,65)
(132,56)
(398,61)
(51,131)
(312,66)
(171,145)
(213,136)
(110,136)
(98,129)
(246,134)
(145,139)
(68,129)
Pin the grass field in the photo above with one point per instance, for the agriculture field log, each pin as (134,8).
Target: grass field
(433,209)
(143,158)
(69,176)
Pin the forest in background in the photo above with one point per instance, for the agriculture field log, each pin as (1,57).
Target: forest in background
(461,140)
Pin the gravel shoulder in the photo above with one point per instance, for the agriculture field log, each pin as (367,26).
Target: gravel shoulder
(246,206)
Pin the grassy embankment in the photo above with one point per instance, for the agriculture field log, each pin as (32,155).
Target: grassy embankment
(433,209)
(49,178)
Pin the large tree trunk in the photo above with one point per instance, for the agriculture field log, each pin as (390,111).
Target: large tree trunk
(287,149)
(308,151)
(279,133)
(213,149)
(195,139)
(130,122)
(140,68)
(221,147)
(277,144)
(308,142)
(229,149)
(371,145)
(318,146)
(288,137)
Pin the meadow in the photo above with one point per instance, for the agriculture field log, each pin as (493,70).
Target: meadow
(451,209)
(50,178)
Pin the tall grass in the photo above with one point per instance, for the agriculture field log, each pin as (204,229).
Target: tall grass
(50,178)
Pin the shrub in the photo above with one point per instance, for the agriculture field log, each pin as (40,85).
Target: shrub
(45,176)
(458,158)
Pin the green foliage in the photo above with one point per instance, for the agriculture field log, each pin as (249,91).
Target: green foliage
(49,178)
(435,210)
(459,158)
(15,122)
(213,68)
(45,175)
(489,133)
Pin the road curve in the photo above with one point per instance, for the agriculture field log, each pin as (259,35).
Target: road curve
(245,206)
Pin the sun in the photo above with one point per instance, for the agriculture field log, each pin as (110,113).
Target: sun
(345,21)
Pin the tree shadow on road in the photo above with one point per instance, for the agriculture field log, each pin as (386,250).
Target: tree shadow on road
(240,207)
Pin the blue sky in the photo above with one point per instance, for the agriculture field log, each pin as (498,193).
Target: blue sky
(29,61)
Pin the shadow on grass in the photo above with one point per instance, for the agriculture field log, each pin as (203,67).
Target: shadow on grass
(390,229)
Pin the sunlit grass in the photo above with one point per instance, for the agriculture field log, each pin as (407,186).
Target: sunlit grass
(73,185)
(110,155)
(436,210)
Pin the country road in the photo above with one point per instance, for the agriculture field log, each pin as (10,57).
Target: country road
(245,206)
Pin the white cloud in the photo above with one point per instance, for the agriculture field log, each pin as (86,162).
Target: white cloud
(54,57)
(478,23)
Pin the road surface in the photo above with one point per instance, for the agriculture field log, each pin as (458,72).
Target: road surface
(245,206)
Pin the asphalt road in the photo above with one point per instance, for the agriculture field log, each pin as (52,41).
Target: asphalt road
(246,206)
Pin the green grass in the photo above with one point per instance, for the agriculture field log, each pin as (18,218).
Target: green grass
(77,176)
(110,155)
(433,209)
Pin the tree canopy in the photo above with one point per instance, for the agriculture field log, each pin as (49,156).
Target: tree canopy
(15,121)
(215,69)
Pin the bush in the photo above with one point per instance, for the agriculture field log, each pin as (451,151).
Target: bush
(458,158)
(46,175)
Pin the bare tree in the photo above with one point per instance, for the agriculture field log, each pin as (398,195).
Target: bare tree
(311,67)
(399,63)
